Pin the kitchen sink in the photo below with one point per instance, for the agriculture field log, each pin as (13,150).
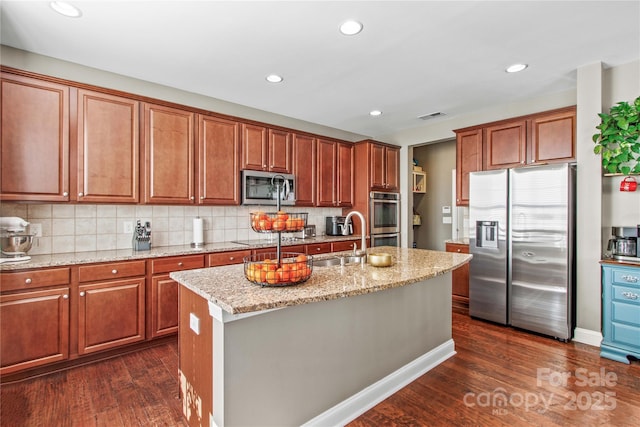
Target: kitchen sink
(333,261)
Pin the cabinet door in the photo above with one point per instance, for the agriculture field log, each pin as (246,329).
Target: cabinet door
(392,168)
(34,142)
(304,168)
(164,306)
(218,161)
(255,154)
(168,162)
(107,149)
(344,154)
(506,145)
(553,137)
(34,329)
(110,314)
(377,166)
(326,173)
(459,276)
(279,151)
(468,159)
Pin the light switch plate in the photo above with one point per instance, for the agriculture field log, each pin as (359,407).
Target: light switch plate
(446,220)
(194,323)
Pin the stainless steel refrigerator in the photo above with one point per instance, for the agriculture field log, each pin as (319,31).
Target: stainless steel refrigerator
(522,237)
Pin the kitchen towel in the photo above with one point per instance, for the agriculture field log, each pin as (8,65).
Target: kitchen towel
(198,231)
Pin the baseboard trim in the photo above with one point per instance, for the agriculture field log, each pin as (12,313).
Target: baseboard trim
(359,403)
(587,336)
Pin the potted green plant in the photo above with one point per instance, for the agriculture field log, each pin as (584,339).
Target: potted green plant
(619,138)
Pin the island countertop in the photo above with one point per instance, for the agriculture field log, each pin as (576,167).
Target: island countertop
(228,288)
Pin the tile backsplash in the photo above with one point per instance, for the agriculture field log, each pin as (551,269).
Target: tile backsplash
(80,228)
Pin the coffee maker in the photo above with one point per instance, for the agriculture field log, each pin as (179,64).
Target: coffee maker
(624,243)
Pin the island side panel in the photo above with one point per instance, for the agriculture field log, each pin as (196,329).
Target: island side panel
(195,357)
(288,366)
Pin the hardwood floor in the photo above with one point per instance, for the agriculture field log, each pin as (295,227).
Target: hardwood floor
(492,362)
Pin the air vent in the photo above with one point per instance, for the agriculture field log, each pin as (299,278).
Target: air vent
(431,115)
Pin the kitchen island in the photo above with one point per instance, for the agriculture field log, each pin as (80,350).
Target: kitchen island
(319,353)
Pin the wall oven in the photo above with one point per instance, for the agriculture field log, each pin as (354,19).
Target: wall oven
(384,217)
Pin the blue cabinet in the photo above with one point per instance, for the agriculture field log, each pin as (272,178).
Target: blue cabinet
(620,312)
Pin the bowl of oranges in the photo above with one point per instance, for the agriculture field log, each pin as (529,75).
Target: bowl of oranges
(269,222)
(265,270)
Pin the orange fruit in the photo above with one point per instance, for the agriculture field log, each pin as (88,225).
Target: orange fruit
(301,258)
(279,225)
(264,224)
(291,224)
(271,277)
(282,215)
(263,276)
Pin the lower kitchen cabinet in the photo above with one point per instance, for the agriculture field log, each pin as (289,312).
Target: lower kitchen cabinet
(459,276)
(163,307)
(620,312)
(34,329)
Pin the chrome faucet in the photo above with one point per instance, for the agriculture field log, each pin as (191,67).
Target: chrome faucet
(345,232)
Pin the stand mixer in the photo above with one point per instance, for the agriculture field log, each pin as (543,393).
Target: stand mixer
(16,242)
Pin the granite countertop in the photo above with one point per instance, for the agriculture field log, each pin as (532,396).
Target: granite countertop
(230,290)
(75,258)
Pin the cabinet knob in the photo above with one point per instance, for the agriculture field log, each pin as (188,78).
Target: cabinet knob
(65,296)
(522,162)
(180,264)
(114,271)
(458,250)
(264,166)
(201,197)
(231,258)
(192,198)
(65,194)
(317,249)
(80,194)
(82,293)
(28,281)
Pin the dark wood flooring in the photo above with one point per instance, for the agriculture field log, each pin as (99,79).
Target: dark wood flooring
(499,376)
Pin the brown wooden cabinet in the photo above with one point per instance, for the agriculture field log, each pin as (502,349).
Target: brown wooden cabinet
(218,161)
(34,142)
(266,149)
(304,168)
(384,167)
(162,306)
(111,305)
(505,145)
(335,173)
(553,137)
(459,276)
(107,148)
(468,159)
(168,166)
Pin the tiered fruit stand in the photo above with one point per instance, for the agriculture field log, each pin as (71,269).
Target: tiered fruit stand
(278,269)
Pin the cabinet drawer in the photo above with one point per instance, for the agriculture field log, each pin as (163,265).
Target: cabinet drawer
(456,247)
(227,258)
(167,265)
(627,313)
(626,334)
(318,248)
(112,270)
(34,279)
(344,246)
(627,295)
(626,276)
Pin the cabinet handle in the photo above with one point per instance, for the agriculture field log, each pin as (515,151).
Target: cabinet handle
(231,258)
(522,162)
(80,194)
(114,271)
(458,250)
(180,264)
(192,198)
(630,295)
(264,166)
(82,293)
(65,194)
(65,296)
(630,279)
(28,281)
(317,249)
(201,197)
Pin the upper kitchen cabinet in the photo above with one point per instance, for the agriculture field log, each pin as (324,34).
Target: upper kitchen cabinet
(168,161)
(266,149)
(468,159)
(553,137)
(382,163)
(304,169)
(218,161)
(34,144)
(107,148)
(335,173)
(506,145)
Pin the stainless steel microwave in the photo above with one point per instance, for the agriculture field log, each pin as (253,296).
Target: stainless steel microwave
(263,188)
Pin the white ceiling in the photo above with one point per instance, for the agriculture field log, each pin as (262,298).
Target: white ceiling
(411,59)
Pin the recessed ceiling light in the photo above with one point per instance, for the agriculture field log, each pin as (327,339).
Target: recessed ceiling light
(65,9)
(350,27)
(274,78)
(375,113)
(516,68)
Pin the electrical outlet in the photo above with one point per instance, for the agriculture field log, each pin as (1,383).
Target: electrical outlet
(36,229)
(128,227)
